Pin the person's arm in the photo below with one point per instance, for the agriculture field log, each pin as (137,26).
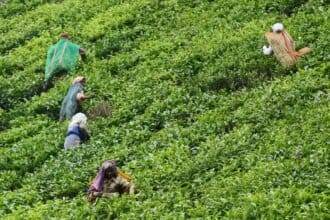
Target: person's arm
(81,96)
(131,189)
(85,134)
(109,195)
(82,53)
(127,185)
(97,194)
(93,195)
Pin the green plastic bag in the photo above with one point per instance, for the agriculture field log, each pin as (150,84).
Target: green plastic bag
(62,56)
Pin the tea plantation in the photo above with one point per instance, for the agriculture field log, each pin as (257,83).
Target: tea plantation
(208,126)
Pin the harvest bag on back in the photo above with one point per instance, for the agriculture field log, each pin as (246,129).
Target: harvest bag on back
(284,48)
(62,56)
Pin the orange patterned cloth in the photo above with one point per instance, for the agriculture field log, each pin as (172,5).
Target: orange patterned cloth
(284,48)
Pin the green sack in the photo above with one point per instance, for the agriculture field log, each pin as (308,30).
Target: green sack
(62,56)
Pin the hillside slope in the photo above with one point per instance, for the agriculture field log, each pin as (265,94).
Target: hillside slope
(206,124)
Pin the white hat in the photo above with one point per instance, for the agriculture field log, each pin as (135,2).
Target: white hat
(278,27)
(80,119)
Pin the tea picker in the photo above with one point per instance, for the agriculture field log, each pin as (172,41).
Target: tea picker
(77,131)
(61,58)
(110,182)
(283,46)
(74,97)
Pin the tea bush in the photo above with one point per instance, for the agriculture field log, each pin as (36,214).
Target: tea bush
(206,124)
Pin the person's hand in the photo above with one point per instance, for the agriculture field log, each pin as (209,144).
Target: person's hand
(93,195)
(82,51)
(81,96)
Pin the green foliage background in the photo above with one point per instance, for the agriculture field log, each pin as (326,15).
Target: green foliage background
(208,126)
